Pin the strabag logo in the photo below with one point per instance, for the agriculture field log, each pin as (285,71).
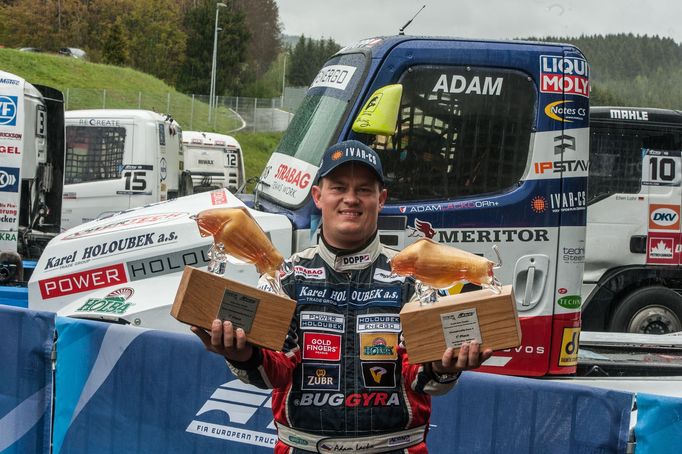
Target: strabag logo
(8,110)
(128,223)
(70,284)
(239,403)
(569,75)
(9,179)
(310,273)
(113,303)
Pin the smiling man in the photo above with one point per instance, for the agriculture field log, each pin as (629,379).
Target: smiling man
(342,381)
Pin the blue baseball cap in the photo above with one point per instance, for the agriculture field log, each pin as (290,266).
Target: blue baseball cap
(350,151)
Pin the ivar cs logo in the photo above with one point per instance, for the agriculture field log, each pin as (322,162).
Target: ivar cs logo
(8,110)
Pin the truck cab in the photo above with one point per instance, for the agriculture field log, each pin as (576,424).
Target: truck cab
(117,159)
(213,160)
(632,256)
(31,169)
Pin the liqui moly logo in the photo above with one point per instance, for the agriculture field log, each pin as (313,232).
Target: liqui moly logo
(569,75)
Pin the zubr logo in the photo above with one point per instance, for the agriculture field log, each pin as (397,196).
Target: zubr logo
(8,110)
(245,407)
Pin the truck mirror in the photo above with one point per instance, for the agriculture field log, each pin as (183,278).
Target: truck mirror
(379,115)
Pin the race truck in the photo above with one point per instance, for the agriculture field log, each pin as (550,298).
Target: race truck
(31,169)
(483,143)
(632,256)
(213,160)
(120,158)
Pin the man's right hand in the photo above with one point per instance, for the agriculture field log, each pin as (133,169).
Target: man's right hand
(225,341)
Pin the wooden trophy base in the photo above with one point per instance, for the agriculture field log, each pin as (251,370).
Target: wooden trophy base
(203,297)
(481,315)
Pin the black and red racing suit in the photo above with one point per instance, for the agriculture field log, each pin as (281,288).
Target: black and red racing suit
(343,372)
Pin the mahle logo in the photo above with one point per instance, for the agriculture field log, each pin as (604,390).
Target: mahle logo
(570,301)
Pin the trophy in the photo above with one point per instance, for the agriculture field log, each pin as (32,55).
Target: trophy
(432,324)
(204,296)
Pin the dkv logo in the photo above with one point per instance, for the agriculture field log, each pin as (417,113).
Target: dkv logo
(664,217)
(237,412)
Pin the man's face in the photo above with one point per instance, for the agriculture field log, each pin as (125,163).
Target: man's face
(350,199)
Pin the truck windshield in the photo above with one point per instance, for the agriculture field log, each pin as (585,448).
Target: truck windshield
(312,128)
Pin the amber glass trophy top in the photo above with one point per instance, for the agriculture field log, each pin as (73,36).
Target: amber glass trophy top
(440,266)
(240,237)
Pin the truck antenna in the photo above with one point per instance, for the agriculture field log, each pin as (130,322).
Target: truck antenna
(402,30)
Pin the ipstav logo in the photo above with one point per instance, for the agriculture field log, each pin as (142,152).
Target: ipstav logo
(237,412)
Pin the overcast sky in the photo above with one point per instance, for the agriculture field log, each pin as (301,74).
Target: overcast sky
(347,21)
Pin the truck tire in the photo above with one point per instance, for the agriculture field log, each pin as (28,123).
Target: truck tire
(186,186)
(649,310)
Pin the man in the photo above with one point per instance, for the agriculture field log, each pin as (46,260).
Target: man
(342,381)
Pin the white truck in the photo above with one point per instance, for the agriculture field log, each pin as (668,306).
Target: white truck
(31,167)
(213,160)
(120,158)
(632,278)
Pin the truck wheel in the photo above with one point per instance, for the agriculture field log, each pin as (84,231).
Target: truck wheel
(649,310)
(186,186)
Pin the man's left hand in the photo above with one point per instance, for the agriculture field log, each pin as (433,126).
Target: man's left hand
(470,357)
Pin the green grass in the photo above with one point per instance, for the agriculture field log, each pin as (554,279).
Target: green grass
(83,82)
(84,85)
(257,148)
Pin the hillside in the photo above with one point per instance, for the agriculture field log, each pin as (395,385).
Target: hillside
(90,85)
(84,83)
(632,70)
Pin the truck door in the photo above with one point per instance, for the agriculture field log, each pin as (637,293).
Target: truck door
(478,159)
(97,179)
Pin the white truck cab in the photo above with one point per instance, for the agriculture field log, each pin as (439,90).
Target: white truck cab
(117,159)
(214,160)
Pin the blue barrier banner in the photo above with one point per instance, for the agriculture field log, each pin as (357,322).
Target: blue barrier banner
(123,389)
(14,296)
(496,414)
(659,424)
(26,341)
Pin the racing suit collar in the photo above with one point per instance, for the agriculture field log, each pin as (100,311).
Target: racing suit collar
(356,259)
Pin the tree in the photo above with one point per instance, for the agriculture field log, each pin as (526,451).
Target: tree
(115,50)
(307,58)
(262,19)
(194,76)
